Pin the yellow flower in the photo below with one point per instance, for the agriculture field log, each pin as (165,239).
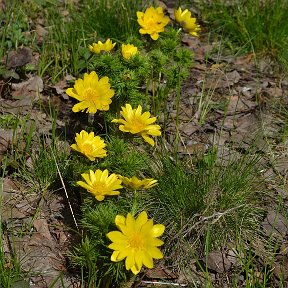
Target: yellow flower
(98,47)
(108,45)
(89,145)
(189,23)
(128,51)
(93,93)
(100,185)
(137,184)
(137,241)
(152,21)
(137,123)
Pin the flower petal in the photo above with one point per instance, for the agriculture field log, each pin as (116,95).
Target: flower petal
(158,230)
(80,106)
(118,246)
(117,237)
(83,185)
(100,197)
(135,269)
(120,220)
(148,140)
(147,260)
(141,219)
(130,260)
(130,221)
(118,255)
(155,252)
(154,36)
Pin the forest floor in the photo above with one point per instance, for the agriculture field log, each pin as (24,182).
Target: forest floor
(235,104)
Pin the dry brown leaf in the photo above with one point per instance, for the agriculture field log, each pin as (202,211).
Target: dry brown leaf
(18,58)
(280,269)
(281,165)
(274,92)
(6,138)
(42,227)
(275,224)
(30,89)
(60,88)
(32,84)
(218,262)
(2,5)
(9,212)
(240,61)
(160,3)
(197,148)
(161,273)
(188,128)
(220,80)
(196,46)
(9,186)
(235,104)
(41,34)
(232,78)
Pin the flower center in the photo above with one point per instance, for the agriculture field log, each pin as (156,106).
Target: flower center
(91,94)
(87,147)
(138,125)
(136,241)
(99,187)
(151,23)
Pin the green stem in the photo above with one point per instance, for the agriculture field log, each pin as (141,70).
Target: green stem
(134,204)
(178,95)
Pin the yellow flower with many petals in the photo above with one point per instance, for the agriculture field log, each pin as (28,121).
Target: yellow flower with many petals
(137,241)
(100,185)
(137,123)
(98,47)
(189,23)
(93,93)
(138,184)
(89,145)
(108,45)
(128,51)
(152,21)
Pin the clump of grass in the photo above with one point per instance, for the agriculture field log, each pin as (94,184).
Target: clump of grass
(109,19)
(41,170)
(10,266)
(259,26)
(10,273)
(191,200)
(65,50)
(32,156)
